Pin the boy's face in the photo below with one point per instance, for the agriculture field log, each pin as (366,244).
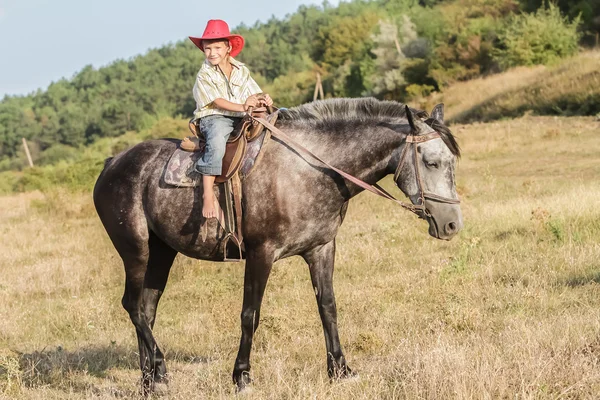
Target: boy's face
(216,51)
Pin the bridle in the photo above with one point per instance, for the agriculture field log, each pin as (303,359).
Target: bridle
(413,141)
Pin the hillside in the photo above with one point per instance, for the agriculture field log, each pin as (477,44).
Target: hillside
(571,87)
(402,50)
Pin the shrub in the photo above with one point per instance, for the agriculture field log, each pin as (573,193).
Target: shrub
(56,153)
(73,176)
(415,91)
(292,88)
(13,164)
(540,38)
(8,181)
(463,49)
(166,127)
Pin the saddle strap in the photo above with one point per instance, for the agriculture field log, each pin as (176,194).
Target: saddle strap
(236,186)
(373,189)
(229,215)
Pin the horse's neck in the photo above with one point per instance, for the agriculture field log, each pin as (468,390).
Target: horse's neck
(365,155)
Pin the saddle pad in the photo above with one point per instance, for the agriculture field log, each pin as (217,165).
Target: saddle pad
(180,169)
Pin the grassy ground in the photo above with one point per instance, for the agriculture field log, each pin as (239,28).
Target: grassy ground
(509,309)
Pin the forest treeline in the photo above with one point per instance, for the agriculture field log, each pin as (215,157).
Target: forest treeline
(393,49)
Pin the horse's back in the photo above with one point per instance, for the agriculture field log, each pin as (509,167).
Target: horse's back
(132,162)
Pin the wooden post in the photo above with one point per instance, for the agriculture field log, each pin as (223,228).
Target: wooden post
(317,87)
(321,88)
(28,153)
(398,45)
(597,37)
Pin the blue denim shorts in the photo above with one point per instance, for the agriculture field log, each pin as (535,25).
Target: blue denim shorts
(216,129)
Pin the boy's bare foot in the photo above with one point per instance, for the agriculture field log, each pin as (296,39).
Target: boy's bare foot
(208,199)
(208,205)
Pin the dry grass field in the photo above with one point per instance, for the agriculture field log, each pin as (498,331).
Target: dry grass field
(508,310)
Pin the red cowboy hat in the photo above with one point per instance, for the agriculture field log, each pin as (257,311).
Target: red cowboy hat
(218,29)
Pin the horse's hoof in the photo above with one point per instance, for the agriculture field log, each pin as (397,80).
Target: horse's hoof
(161,389)
(344,373)
(157,387)
(242,383)
(350,377)
(245,391)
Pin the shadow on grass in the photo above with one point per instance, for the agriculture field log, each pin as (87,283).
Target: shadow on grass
(54,366)
(57,367)
(583,279)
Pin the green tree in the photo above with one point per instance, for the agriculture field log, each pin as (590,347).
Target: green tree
(540,38)
(345,38)
(387,80)
(464,48)
(587,10)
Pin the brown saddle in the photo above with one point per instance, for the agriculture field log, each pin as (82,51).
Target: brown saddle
(246,131)
(237,154)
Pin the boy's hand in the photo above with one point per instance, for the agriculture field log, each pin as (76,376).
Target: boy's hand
(267,100)
(251,101)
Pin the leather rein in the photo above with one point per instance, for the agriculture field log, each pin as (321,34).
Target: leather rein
(411,141)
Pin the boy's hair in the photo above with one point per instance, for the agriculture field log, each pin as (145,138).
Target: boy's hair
(210,41)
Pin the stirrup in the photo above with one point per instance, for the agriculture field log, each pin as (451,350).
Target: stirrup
(238,244)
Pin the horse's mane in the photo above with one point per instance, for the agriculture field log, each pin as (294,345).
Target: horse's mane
(344,109)
(331,114)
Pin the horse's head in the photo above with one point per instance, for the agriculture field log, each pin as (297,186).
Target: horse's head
(425,173)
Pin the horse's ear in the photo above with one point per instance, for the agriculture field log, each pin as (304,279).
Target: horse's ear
(411,119)
(438,112)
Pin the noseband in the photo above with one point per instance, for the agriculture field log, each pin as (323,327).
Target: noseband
(412,141)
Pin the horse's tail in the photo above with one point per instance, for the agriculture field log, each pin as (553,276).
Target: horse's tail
(98,183)
(107,162)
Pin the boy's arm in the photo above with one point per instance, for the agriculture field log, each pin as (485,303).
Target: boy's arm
(206,93)
(254,89)
(227,105)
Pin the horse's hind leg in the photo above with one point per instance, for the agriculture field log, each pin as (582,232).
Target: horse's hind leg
(146,272)
(258,268)
(159,265)
(136,263)
(320,261)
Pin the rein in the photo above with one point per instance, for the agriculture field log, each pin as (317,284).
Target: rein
(376,189)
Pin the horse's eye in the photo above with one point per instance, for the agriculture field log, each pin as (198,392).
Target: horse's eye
(431,164)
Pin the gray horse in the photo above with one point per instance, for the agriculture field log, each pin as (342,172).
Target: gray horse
(293,205)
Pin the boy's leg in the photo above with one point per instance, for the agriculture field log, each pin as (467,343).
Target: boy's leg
(208,206)
(217,129)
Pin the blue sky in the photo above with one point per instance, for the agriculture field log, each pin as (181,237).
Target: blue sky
(45,40)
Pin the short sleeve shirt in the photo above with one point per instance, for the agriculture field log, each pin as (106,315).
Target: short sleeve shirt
(211,84)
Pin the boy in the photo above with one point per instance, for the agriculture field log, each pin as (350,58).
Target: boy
(223,92)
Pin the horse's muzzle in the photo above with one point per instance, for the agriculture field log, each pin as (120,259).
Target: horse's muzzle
(445,220)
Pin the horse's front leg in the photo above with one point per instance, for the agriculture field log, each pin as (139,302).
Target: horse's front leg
(320,261)
(258,268)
